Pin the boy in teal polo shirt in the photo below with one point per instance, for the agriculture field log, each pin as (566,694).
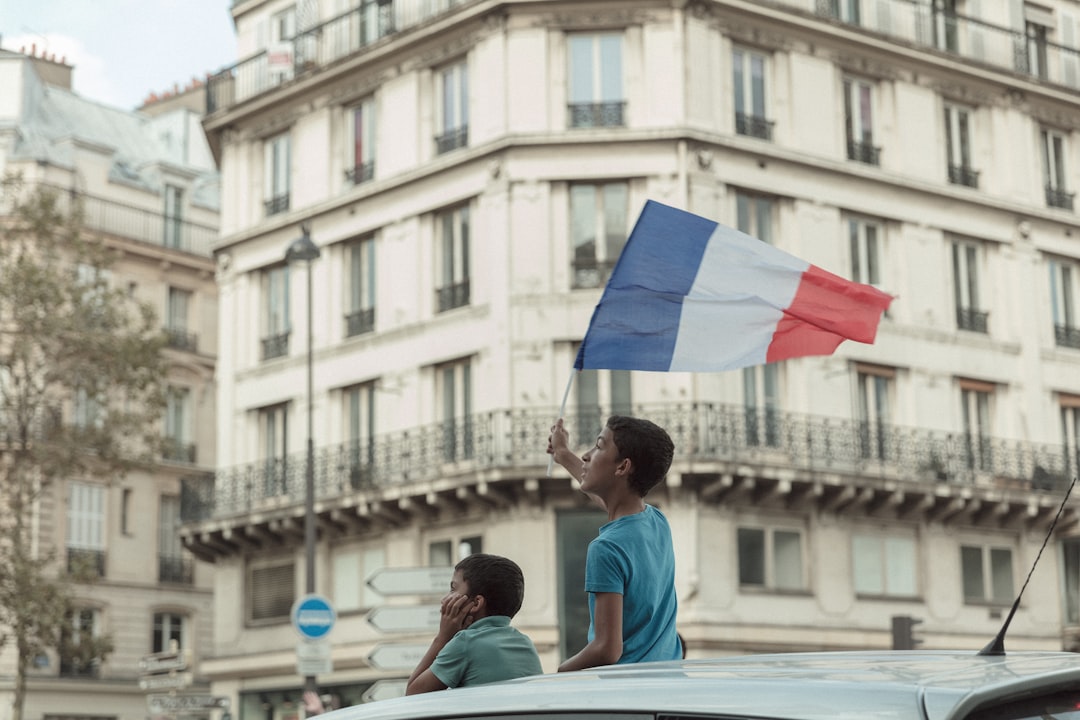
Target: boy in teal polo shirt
(475,643)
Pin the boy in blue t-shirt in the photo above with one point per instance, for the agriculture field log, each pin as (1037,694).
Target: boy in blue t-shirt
(475,643)
(630,566)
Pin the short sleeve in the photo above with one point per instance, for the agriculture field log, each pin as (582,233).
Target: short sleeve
(604,569)
(452,662)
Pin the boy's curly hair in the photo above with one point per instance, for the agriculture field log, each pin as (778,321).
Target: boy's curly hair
(498,579)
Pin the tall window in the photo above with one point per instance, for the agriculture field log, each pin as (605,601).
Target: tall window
(88,410)
(945,25)
(987,574)
(453,107)
(1053,162)
(958,146)
(865,241)
(884,565)
(454,386)
(453,229)
(761,404)
(275,312)
(360,317)
(748,67)
(80,655)
(770,558)
(174,216)
(350,570)
(276,169)
(1063,295)
(179,425)
(444,553)
(86,528)
(282,35)
(273,439)
(168,629)
(975,410)
(965,260)
(271,591)
(1070,551)
(859,122)
(754,215)
(177,313)
(360,423)
(1035,35)
(1070,436)
(174,566)
(600,393)
(598,229)
(846,10)
(875,390)
(361,161)
(596,80)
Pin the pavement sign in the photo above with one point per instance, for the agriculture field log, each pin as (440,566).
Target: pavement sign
(165,682)
(405,618)
(163,662)
(384,690)
(397,656)
(165,704)
(313,616)
(411,580)
(313,657)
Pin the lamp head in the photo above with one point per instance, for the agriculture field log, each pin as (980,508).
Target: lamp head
(302,248)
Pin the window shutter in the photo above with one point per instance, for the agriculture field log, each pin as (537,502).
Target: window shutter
(272,592)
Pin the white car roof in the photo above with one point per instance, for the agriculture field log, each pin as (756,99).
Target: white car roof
(931,685)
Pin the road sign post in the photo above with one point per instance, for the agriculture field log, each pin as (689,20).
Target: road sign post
(313,618)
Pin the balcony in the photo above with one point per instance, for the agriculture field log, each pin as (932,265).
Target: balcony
(753,126)
(863,152)
(275,346)
(178,451)
(452,296)
(963,175)
(1058,198)
(591,273)
(83,560)
(176,569)
(359,322)
(180,339)
(1067,336)
(276,204)
(971,319)
(452,140)
(362,173)
(602,114)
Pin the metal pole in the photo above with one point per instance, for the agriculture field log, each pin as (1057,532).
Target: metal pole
(309,485)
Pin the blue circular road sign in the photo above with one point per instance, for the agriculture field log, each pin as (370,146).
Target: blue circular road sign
(313,616)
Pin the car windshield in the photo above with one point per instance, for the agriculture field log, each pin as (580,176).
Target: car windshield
(1058,706)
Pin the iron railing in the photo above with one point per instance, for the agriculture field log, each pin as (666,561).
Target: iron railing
(452,296)
(275,346)
(963,175)
(591,273)
(276,204)
(1058,198)
(452,140)
(703,432)
(1067,336)
(753,126)
(972,319)
(179,451)
(361,173)
(359,322)
(175,569)
(601,114)
(863,152)
(86,560)
(181,339)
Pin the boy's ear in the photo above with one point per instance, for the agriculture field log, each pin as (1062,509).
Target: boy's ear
(479,605)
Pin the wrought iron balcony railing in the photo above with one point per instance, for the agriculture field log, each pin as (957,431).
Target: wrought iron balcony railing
(600,114)
(863,152)
(1067,336)
(181,339)
(276,204)
(753,126)
(359,322)
(1056,197)
(176,569)
(703,433)
(361,173)
(972,319)
(452,296)
(275,346)
(452,140)
(80,560)
(174,450)
(591,273)
(963,175)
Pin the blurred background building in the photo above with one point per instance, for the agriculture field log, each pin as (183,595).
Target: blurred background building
(148,187)
(469,172)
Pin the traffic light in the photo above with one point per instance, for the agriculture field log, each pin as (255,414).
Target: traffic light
(903,632)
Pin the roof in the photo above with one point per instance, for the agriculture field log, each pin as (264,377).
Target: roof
(797,686)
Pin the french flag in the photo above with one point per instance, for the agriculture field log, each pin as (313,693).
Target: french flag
(689,294)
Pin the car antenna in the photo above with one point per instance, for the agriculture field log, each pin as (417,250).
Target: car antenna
(997,645)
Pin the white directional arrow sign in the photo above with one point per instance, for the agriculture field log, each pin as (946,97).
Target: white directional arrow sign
(384,690)
(411,580)
(404,618)
(397,656)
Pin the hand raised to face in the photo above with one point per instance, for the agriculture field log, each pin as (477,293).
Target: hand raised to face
(456,613)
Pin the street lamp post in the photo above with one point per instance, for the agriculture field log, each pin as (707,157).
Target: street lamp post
(304,250)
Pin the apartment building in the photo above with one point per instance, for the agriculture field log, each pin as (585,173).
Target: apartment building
(148,187)
(469,172)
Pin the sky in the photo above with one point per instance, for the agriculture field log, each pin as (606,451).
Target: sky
(123,50)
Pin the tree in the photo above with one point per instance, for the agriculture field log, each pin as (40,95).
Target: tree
(81,397)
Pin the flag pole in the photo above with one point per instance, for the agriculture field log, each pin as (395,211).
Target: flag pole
(562,411)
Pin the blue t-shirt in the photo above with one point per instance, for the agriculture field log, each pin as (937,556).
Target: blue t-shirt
(633,556)
(487,651)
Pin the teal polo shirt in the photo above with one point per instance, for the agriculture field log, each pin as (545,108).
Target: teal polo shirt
(487,651)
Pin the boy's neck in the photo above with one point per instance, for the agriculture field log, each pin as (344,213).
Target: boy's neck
(624,504)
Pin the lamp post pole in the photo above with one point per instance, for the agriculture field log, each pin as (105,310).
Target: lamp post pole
(304,249)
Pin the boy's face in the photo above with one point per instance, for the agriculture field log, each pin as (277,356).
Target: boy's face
(458,586)
(601,463)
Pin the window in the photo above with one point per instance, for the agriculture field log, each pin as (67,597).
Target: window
(275,315)
(883,565)
(177,314)
(454,385)
(443,553)
(273,436)
(86,529)
(1035,36)
(875,389)
(958,146)
(845,10)
(770,558)
(79,648)
(1063,294)
(864,241)
(282,33)
(352,566)
(88,410)
(600,394)
(179,424)
(276,175)
(174,216)
(945,25)
(988,575)
(753,215)
(975,410)
(174,566)
(453,228)
(858,122)
(1044,479)
(598,229)
(271,593)
(1053,162)
(360,318)
(360,422)
(1070,551)
(125,511)
(361,162)
(453,107)
(168,629)
(965,260)
(761,404)
(596,80)
(748,68)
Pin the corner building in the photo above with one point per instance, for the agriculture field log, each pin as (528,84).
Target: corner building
(470,171)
